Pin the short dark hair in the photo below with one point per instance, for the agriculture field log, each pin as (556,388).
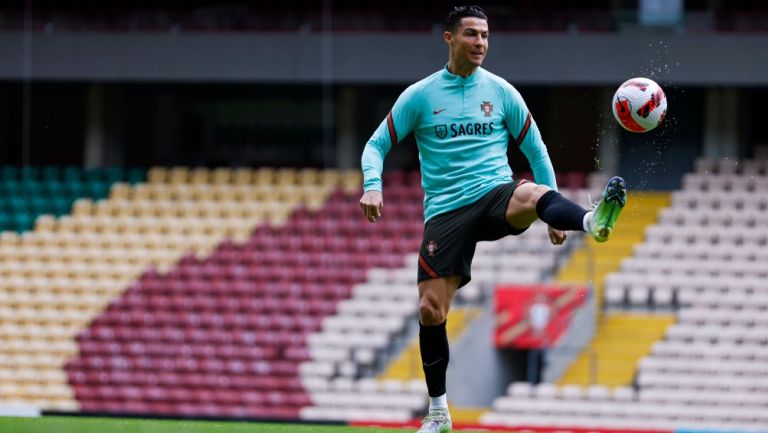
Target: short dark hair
(459,12)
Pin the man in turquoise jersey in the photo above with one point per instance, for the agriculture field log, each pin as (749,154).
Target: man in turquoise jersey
(463,118)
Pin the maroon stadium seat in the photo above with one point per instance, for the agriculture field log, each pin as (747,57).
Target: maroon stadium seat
(224,335)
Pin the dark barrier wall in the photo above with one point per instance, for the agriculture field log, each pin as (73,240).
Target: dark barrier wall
(699,59)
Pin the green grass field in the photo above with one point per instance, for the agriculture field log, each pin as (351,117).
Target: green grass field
(61,424)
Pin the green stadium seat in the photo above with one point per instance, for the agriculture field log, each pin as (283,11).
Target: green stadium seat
(40,204)
(114,174)
(98,189)
(61,205)
(93,175)
(50,173)
(6,221)
(29,172)
(18,204)
(75,189)
(11,186)
(9,172)
(54,188)
(33,188)
(29,191)
(136,175)
(24,221)
(71,174)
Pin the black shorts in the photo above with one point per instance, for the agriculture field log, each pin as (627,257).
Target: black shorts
(450,238)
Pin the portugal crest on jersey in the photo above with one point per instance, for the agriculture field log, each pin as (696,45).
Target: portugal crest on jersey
(441,131)
(487,108)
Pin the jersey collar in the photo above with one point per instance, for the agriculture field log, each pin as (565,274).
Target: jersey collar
(459,80)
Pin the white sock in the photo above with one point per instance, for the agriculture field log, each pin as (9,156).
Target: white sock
(440,402)
(587,221)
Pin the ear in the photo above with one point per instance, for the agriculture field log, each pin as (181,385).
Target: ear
(448,37)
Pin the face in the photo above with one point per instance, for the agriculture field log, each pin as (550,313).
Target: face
(469,43)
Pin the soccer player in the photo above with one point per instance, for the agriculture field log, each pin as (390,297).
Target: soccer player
(463,118)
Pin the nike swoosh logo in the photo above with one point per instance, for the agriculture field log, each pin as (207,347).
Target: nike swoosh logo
(438,111)
(431,363)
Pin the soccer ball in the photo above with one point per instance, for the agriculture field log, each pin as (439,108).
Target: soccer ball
(639,105)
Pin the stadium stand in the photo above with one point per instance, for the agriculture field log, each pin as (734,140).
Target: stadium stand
(227,320)
(28,192)
(623,338)
(184,290)
(210,322)
(708,372)
(65,272)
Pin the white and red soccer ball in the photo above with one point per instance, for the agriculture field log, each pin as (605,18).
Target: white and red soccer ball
(639,105)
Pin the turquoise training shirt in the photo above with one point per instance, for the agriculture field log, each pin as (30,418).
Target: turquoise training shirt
(462,127)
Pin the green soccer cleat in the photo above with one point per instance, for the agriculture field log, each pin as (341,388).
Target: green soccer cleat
(606,211)
(437,421)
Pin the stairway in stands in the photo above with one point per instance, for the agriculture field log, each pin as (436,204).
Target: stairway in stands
(407,365)
(612,356)
(621,338)
(593,261)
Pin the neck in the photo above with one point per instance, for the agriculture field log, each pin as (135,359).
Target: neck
(461,70)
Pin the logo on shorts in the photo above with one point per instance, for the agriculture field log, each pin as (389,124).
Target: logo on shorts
(441,131)
(431,248)
(487,108)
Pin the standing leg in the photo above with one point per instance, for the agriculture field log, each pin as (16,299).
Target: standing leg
(435,296)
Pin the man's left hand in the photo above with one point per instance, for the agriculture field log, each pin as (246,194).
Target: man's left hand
(556,236)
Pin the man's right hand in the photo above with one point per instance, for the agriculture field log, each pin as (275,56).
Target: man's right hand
(372,202)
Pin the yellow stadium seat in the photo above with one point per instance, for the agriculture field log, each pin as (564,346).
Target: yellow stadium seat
(7,253)
(264,176)
(241,193)
(83,206)
(209,210)
(9,238)
(161,191)
(54,392)
(129,208)
(230,209)
(221,175)
(140,192)
(223,193)
(157,175)
(35,239)
(200,175)
(253,212)
(243,176)
(34,392)
(351,180)
(26,251)
(178,192)
(120,191)
(261,192)
(189,226)
(286,176)
(122,224)
(309,176)
(178,175)
(9,391)
(83,224)
(202,191)
(330,177)
(100,224)
(103,208)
